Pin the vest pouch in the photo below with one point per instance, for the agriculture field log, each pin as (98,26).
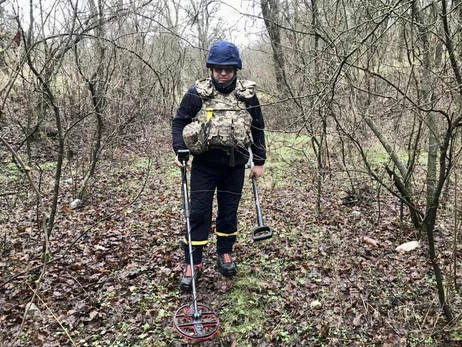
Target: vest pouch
(195,138)
(220,134)
(229,128)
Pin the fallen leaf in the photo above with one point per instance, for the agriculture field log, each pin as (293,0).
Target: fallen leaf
(315,304)
(32,308)
(408,246)
(93,314)
(370,241)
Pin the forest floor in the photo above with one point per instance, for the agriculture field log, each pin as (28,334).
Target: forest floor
(328,279)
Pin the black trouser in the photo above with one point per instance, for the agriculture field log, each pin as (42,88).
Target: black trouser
(228,181)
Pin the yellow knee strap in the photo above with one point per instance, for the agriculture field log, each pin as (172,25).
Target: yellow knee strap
(196,243)
(225,235)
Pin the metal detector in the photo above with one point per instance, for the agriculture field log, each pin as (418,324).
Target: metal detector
(193,321)
(262,232)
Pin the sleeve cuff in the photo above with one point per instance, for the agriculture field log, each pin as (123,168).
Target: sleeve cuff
(259,162)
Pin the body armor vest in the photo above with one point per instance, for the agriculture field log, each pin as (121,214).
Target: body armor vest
(223,121)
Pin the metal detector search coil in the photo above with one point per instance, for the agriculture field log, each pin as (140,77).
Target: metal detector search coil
(200,324)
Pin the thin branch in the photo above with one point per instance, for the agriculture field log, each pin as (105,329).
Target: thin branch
(8,193)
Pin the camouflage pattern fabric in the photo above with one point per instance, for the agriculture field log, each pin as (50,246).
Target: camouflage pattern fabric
(194,135)
(223,121)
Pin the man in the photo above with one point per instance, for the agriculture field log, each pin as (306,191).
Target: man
(218,119)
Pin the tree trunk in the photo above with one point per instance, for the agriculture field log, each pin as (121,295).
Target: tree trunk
(270,11)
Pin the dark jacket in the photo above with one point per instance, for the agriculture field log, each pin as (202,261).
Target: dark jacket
(191,105)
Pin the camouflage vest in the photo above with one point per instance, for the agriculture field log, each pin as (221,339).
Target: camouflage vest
(223,122)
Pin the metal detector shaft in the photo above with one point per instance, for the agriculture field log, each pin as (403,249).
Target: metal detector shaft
(193,321)
(262,232)
(257,202)
(188,232)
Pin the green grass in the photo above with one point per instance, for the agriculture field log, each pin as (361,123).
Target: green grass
(286,148)
(10,173)
(244,313)
(141,163)
(283,152)
(377,155)
(48,165)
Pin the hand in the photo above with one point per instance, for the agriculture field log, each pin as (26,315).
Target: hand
(182,156)
(256,171)
(179,164)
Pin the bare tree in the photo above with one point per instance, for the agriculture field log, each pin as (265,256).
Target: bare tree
(270,12)
(357,91)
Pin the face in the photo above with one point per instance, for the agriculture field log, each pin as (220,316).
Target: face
(223,74)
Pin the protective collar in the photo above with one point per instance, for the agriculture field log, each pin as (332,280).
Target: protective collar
(225,88)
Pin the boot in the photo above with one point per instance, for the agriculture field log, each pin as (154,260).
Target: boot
(226,265)
(186,281)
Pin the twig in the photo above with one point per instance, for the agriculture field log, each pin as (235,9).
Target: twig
(54,316)
(8,193)
(456,235)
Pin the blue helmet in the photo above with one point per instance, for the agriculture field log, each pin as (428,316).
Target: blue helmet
(224,53)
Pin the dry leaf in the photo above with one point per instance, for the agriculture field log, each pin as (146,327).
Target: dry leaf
(316,304)
(93,314)
(357,320)
(370,241)
(408,246)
